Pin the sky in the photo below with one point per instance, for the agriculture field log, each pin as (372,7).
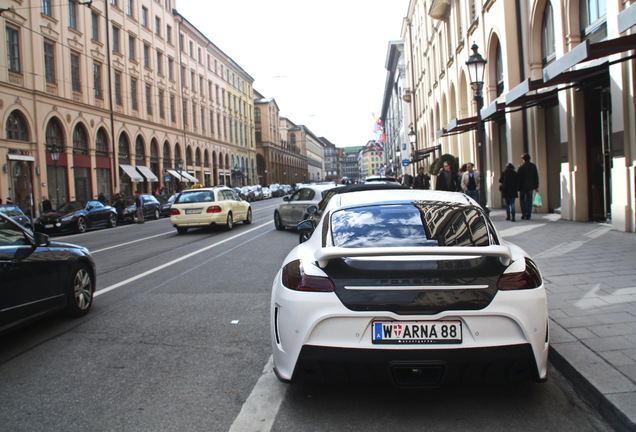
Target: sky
(322,60)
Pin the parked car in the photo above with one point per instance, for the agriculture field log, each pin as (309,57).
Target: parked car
(248,193)
(381,179)
(277,190)
(152,208)
(410,287)
(40,277)
(294,208)
(203,207)
(267,193)
(166,202)
(258,192)
(77,216)
(15,213)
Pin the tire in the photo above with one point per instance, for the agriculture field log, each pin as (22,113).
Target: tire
(112,221)
(182,230)
(229,223)
(157,215)
(81,226)
(80,291)
(277,222)
(248,218)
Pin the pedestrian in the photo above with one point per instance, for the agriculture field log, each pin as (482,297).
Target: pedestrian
(470,181)
(422,180)
(528,182)
(509,180)
(102,198)
(407,180)
(46,205)
(139,212)
(447,179)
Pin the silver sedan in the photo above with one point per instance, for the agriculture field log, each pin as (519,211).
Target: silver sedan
(294,209)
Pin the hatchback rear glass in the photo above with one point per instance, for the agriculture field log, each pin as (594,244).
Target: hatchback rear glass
(195,197)
(410,225)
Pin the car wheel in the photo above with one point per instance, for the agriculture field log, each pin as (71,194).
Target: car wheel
(230,222)
(81,225)
(80,293)
(248,218)
(182,230)
(157,215)
(112,221)
(277,222)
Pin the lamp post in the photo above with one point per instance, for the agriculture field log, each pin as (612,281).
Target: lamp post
(55,155)
(179,170)
(412,141)
(476,67)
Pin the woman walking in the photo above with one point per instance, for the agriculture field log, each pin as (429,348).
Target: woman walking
(509,186)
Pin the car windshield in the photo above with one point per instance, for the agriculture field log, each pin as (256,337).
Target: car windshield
(410,225)
(195,197)
(72,206)
(11,211)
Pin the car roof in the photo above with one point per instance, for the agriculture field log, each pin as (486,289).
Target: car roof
(319,187)
(397,195)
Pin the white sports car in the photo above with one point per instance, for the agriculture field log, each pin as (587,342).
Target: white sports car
(411,287)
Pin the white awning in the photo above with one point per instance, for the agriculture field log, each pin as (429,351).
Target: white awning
(145,171)
(189,177)
(132,173)
(20,157)
(175,174)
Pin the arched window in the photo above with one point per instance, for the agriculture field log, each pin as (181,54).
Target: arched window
(548,44)
(17,127)
(124,149)
(499,71)
(54,135)
(188,156)
(197,157)
(80,140)
(101,143)
(166,154)
(140,151)
(154,151)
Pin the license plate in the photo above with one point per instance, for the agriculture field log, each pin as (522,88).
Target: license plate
(417,332)
(193,211)
(48,226)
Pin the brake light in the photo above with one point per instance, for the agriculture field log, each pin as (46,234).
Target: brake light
(528,279)
(294,278)
(213,209)
(174,212)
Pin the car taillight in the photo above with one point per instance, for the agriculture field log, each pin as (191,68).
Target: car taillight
(174,212)
(296,279)
(213,209)
(528,279)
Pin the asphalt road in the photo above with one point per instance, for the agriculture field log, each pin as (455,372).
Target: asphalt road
(178,340)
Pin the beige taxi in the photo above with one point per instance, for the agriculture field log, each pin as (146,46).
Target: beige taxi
(208,206)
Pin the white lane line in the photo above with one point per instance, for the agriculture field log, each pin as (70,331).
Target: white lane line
(170,263)
(259,410)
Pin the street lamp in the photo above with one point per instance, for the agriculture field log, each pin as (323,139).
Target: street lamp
(412,141)
(55,155)
(179,170)
(476,67)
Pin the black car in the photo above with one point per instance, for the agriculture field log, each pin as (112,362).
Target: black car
(166,202)
(77,216)
(15,213)
(41,277)
(152,208)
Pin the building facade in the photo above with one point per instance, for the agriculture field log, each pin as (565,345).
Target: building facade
(348,163)
(117,96)
(315,154)
(371,159)
(331,160)
(292,167)
(558,85)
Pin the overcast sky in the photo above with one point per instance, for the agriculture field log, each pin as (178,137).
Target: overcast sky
(322,60)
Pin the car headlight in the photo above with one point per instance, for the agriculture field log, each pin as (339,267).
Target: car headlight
(67,218)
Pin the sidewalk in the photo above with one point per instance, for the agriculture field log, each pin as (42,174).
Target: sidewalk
(590,274)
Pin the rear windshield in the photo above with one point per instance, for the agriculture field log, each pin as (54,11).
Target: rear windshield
(195,197)
(410,225)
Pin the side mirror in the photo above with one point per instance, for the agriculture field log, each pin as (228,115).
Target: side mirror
(41,239)
(306,226)
(286,198)
(312,209)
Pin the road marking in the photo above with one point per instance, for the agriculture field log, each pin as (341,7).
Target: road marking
(175,261)
(259,410)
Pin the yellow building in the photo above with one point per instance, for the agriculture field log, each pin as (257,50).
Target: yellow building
(116,96)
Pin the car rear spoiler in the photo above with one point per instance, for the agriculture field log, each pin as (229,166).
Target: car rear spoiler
(323,255)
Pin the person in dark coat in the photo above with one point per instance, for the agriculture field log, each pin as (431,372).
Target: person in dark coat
(528,182)
(46,205)
(447,180)
(421,181)
(509,180)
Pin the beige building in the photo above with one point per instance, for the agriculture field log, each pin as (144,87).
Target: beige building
(290,165)
(119,95)
(371,159)
(558,84)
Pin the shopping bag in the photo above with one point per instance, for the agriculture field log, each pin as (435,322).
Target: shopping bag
(537,203)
